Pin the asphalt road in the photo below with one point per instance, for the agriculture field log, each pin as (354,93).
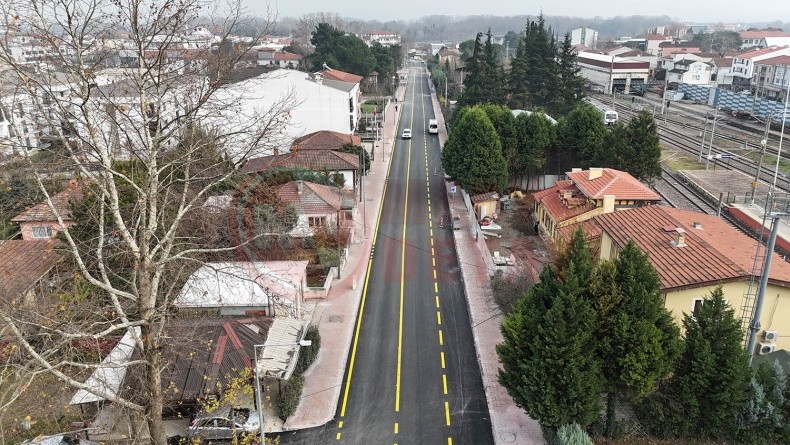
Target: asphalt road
(412,376)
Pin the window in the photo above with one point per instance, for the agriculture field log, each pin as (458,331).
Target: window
(42,232)
(696,304)
(316,221)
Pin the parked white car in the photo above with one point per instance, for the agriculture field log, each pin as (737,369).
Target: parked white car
(222,424)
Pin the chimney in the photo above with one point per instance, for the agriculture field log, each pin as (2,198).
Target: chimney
(299,187)
(567,194)
(294,149)
(575,170)
(680,238)
(696,225)
(276,151)
(608,203)
(595,173)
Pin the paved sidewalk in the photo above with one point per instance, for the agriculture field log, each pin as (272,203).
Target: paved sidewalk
(510,423)
(336,315)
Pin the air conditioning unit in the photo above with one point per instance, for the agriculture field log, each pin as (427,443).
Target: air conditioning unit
(765,348)
(771,335)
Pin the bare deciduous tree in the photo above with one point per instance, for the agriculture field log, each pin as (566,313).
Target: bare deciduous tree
(133,98)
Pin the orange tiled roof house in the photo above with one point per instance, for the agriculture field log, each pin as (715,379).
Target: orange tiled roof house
(39,222)
(586,194)
(694,253)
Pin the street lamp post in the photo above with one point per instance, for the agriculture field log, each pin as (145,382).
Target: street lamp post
(258,392)
(704,130)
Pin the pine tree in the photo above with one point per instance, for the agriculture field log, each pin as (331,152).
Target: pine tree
(492,73)
(573,434)
(644,140)
(572,84)
(516,80)
(764,417)
(542,71)
(473,154)
(578,252)
(474,76)
(551,329)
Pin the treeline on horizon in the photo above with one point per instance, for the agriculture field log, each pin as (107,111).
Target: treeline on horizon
(447,28)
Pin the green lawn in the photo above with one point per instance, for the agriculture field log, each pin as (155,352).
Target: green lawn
(680,161)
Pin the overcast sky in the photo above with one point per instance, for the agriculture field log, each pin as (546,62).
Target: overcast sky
(738,11)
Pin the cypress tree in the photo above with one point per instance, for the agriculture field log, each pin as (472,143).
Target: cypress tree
(552,331)
(473,153)
(474,76)
(492,73)
(712,373)
(572,84)
(516,80)
(644,140)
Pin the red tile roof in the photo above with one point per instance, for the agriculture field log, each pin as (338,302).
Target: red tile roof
(591,231)
(285,55)
(759,34)
(778,60)
(716,252)
(612,182)
(342,76)
(325,140)
(759,52)
(23,263)
(42,212)
(560,209)
(314,199)
(311,159)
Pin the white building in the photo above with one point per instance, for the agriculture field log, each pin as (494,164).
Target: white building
(743,64)
(612,73)
(762,38)
(653,43)
(584,36)
(385,38)
(690,70)
(255,288)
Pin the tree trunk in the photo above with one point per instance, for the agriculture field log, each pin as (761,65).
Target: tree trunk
(611,404)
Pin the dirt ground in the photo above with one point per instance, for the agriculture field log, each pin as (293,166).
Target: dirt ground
(529,249)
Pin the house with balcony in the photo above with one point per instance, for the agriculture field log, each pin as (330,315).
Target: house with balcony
(690,70)
(693,254)
(584,195)
(743,64)
(771,77)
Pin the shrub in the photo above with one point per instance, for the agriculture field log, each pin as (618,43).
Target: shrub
(292,392)
(308,354)
(573,434)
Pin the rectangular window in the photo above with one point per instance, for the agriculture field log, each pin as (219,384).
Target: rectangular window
(316,221)
(696,304)
(42,232)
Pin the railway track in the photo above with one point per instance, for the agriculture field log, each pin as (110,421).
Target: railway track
(677,194)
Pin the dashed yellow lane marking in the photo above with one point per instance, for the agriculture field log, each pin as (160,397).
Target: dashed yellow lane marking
(396,427)
(340,424)
(447,412)
(442,359)
(438,318)
(433,260)
(434,274)
(444,383)
(441,338)
(449,441)
(337,437)
(437,301)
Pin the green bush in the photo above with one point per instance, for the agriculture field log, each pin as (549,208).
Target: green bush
(292,392)
(573,434)
(308,354)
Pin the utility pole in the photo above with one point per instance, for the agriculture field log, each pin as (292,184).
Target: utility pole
(704,130)
(712,135)
(754,325)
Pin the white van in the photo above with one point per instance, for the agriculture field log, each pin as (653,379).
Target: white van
(433,126)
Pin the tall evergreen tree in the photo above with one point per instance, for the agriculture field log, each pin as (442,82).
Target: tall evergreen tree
(712,374)
(473,153)
(541,67)
(534,135)
(764,417)
(504,123)
(581,135)
(617,151)
(551,329)
(493,76)
(474,76)
(642,343)
(578,252)
(644,140)
(517,87)
(572,84)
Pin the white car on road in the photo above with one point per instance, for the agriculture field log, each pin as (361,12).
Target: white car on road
(406,133)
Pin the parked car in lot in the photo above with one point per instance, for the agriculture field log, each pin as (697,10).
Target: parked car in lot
(223,423)
(63,439)
(406,133)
